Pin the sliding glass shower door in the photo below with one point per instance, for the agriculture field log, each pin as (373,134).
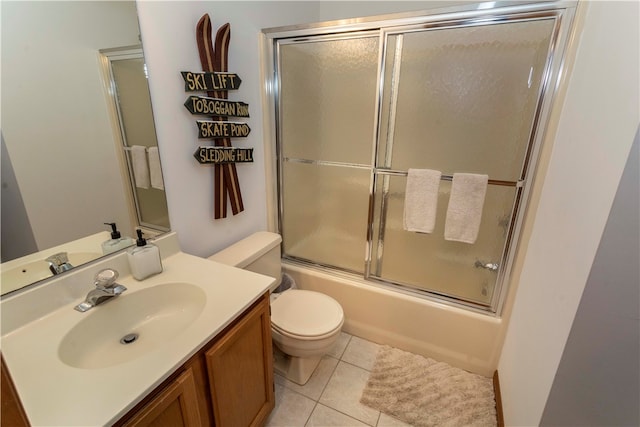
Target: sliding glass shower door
(356,110)
(456,99)
(327,110)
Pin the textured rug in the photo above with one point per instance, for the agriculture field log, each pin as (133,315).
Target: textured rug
(423,392)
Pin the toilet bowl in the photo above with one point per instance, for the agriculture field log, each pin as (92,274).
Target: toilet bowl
(305,325)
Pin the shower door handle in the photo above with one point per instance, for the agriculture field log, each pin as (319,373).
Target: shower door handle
(491,266)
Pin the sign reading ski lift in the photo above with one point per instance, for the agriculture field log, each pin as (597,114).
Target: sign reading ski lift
(210,81)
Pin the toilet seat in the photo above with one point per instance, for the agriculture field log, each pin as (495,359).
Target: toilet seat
(306,315)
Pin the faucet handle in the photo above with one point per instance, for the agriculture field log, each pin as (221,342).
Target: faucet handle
(105,278)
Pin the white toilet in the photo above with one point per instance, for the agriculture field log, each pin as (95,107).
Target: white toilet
(304,324)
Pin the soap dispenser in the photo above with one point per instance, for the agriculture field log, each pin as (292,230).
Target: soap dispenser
(144,258)
(116,242)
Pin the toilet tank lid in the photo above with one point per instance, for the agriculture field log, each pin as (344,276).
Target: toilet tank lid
(247,250)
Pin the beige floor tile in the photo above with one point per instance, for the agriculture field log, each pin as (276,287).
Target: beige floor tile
(361,353)
(338,349)
(292,409)
(389,421)
(344,390)
(319,379)
(323,416)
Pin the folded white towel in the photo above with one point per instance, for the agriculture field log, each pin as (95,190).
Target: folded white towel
(421,200)
(465,207)
(154,168)
(140,166)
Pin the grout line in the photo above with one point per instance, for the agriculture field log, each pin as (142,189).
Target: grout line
(356,366)
(344,350)
(311,414)
(328,381)
(352,417)
(378,420)
(297,392)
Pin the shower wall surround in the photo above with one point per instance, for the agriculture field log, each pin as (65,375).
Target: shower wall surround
(357,105)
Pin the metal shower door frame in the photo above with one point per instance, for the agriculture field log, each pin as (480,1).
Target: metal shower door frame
(452,17)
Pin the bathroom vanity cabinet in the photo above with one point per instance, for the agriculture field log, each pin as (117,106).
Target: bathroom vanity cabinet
(209,360)
(227,383)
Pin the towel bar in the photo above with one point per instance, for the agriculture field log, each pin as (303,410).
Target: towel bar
(519,183)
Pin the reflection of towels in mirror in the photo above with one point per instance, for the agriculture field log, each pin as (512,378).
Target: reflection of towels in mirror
(140,166)
(466,202)
(421,200)
(154,169)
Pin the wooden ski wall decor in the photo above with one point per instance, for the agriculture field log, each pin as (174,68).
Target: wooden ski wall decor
(216,81)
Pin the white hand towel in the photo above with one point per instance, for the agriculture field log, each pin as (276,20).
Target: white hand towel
(154,168)
(421,200)
(465,207)
(140,166)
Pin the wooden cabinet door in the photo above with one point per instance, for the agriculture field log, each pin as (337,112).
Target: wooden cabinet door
(176,405)
(12,413)
(240,370)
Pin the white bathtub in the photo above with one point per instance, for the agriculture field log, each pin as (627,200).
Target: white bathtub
(462,338)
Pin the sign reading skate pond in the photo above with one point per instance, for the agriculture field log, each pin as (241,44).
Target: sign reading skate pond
(210,81)
(223,155)
(216,107)
(219,129)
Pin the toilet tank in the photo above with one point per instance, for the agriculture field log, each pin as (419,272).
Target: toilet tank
(260,253)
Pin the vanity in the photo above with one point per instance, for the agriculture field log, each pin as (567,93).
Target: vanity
(190,346)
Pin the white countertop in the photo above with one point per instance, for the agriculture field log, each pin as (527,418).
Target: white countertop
(54,393)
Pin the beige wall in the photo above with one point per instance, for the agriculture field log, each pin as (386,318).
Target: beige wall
(595,131)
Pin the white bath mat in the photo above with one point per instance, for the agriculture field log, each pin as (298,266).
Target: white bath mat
(423,392)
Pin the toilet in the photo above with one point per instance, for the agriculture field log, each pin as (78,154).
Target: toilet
(304,324)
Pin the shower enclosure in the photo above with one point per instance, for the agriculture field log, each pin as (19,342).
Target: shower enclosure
(357,105)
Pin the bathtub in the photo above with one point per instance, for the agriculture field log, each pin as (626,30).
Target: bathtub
(462,338)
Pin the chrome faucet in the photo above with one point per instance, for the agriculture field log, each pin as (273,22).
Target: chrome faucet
(106,288)
(59,263)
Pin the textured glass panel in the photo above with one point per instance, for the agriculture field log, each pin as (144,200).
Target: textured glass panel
(327,99)
(325,214)
(467,97)
(427,261)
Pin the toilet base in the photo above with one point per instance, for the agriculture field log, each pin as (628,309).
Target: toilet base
(296,369)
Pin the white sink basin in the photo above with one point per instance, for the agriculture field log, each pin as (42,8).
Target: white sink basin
(34,271)
(149,318)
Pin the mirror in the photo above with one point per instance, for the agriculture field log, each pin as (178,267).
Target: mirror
(66,160)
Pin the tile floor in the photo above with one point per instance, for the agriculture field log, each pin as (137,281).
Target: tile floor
(331,397)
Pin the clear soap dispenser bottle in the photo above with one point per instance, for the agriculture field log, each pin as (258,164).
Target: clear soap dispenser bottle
(116,242)
(144,258)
